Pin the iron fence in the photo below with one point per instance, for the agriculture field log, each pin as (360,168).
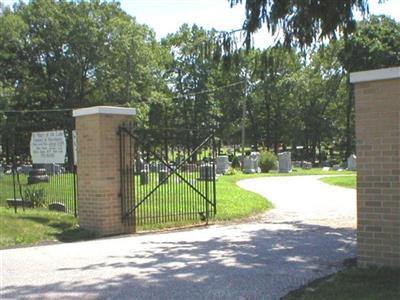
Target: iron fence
(26,184)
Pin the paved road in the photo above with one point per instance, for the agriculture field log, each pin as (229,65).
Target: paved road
(308,235)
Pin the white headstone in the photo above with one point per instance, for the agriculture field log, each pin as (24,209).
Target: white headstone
(285,162)
(48,147)
(222,164)
(352,163)
(256,157)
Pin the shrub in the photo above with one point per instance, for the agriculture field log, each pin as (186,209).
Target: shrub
(232,171)
(267,161)
(36,196)
(235,162)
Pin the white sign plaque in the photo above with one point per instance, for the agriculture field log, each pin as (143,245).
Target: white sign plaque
(48,147)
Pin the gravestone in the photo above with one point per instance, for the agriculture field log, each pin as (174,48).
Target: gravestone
(352,163)
(222,164)
(249,165)
(162,175)
(56,206)
(144,176)
(139,163)
(189,168)
(297,164)
(25,169)
(306,165)
(285,162)
(206,172)
(51,168)
(336,167)
(153,166)
(37,176)
(256,157)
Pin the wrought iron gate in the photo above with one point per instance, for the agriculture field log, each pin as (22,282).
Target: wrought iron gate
(167,175)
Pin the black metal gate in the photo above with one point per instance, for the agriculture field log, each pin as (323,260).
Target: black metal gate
(23,183)
(167,175)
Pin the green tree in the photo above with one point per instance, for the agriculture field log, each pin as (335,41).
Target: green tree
(302,22)
(59,54)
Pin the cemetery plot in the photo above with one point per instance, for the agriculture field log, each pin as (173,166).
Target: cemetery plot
(168,177)
(37,165)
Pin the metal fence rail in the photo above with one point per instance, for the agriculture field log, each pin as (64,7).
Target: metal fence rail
(167,175)
(54,184)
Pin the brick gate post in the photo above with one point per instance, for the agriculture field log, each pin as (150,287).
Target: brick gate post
(377,97)
(99,203)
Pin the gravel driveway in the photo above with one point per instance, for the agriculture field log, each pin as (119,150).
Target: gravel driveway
(308,235)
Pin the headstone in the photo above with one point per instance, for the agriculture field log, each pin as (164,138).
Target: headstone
(190,168)
(352,163)
(297,164)
(19,203)
(206,172)
(285,162)
(153,166)
(249,165)
(50,168)
(325,169)
(139,163)
(38,175)
(325,163)
(144,176)
(336,167)
(222,164)
(256,157)
(25,169)
(306,165)
(162,175)
(56,206)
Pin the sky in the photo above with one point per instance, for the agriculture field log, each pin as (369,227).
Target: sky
(166,16)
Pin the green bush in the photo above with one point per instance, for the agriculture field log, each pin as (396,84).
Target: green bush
(232,171)
(36,196)
(235,162)
(267,161)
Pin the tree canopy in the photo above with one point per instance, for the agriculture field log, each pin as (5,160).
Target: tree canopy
(64,55)
(302,22)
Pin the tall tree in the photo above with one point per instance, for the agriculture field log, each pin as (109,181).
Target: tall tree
(302,22)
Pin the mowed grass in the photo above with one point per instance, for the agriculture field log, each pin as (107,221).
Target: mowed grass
(60,188)
(344,181)
(353,284)
(34,226)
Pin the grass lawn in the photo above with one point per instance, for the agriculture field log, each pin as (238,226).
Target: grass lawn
(39,225)
(353,284)
(33,226)
(60,188)
(344,181)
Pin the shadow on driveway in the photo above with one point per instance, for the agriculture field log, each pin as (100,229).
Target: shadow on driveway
(257,262)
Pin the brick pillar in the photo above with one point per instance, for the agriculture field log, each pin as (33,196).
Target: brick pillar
(377,96)
(99,204)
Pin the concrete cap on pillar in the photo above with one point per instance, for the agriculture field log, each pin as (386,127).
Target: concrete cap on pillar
(109,110)
(373,75)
